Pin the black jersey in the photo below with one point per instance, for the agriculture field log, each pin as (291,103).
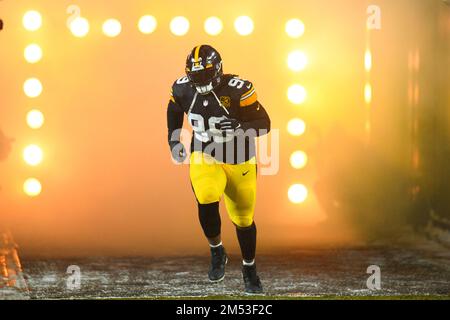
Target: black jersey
(234,98)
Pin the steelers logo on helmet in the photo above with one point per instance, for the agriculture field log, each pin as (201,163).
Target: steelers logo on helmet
(204,68)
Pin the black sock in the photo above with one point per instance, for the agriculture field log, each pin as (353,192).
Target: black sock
(210,219)
(247,241)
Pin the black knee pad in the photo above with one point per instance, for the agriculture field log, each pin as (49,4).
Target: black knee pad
(210,219)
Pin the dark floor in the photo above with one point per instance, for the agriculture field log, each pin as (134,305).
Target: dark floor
(422,269)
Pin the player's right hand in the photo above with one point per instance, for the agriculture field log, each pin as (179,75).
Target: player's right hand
(178,151)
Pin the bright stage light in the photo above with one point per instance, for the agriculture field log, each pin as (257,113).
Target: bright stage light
(295,28)
(368,93)
(33,53)
(368,60)
(112,28)
(179,26)
(297,94)
(297,193)
(32,20)
(213,26)
(79,27)
(35,119)
(32,187)
(33,155)
(296,127)
(297,60)
(244,25)
(147,24)
(298,159)
(32,88)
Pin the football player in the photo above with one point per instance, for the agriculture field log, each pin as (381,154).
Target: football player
(226,116)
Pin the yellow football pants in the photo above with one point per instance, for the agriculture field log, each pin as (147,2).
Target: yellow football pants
(211,179)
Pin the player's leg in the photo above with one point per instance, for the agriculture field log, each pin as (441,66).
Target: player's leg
(208,182)
(240,197)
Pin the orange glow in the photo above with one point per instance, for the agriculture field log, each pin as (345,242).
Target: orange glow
(99,103)
(368,126)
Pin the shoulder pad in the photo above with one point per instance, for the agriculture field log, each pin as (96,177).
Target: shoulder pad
(245,90)
(179,88)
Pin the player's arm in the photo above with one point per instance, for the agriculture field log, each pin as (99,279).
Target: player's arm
(255,117)
(175,117)
(251,115)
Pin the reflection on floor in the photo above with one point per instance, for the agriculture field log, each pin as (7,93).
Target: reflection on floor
(12,282)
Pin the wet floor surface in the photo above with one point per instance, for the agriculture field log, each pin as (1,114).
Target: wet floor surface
(405,270)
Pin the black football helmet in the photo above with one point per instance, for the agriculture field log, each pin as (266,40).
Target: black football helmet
(204,68)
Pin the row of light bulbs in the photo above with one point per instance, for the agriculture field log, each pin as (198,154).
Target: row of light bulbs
(179,26)
(32,154)
(297,61)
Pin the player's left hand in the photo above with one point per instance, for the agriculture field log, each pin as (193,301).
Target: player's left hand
(229,125)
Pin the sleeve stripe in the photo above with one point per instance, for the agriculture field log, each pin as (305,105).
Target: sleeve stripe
(248,95)
(251,88)
(250,100)
(172,98)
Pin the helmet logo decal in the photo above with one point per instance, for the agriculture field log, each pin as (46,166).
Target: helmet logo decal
(210,58)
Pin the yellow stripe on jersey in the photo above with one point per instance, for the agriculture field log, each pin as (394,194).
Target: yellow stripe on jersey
(248,94)
(171,96)
(249,98)
(251,89)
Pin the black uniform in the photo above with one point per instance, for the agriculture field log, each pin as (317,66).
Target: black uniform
(234,98)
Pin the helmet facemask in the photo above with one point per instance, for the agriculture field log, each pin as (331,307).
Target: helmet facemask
(205,72)
(205,79)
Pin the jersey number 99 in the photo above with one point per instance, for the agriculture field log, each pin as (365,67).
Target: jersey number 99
(205,134)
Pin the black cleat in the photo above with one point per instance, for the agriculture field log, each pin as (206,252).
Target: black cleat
(251,280)
(218,261)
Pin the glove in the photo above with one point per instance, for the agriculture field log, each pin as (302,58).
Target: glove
(178,151)
(229,125)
